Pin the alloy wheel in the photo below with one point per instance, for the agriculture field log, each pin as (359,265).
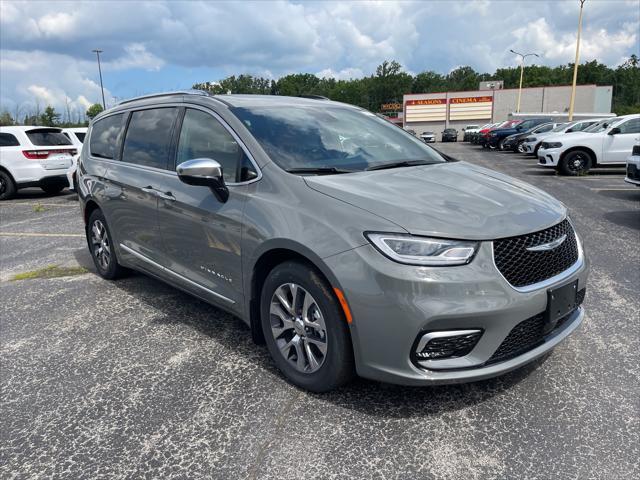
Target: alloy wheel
(578,163)
(298,327)
(100,244)
(520,148)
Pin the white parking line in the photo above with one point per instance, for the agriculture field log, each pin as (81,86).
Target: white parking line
(36,204)
(25,234)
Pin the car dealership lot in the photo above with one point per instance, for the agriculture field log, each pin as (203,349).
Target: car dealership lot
(134,378)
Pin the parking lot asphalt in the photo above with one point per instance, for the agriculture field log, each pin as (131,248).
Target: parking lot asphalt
(134,379)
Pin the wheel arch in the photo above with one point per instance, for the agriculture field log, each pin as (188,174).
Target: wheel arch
(589,151)
(272,254)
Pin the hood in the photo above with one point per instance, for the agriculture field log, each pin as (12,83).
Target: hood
(452,200)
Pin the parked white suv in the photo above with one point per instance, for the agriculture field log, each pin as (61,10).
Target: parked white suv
(532,143)
(34,157)
(607,142)
(633,165)
(76,135)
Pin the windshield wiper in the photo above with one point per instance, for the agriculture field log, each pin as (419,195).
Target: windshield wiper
(320,170)
(405,163)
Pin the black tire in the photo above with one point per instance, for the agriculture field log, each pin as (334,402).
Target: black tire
(337,367)
(501,144)
(535,150)
(112,270)
(53,189)
(574,163)
(7,186)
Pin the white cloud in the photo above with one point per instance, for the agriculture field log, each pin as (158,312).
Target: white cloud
(48,44)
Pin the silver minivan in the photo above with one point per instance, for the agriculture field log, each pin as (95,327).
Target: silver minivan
(347,245)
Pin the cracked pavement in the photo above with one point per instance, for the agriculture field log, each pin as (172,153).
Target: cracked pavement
(135,379)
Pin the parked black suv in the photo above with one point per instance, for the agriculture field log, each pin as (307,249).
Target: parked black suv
(450,135)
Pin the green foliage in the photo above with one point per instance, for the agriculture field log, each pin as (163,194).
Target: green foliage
(50,117)
(6,119)
(94,110)
(390,83)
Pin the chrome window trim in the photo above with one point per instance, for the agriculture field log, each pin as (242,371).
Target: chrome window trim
(171,272)
(185,105)
(552,280)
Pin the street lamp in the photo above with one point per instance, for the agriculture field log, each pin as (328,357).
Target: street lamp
(575,64)
(522,57)
(98,52)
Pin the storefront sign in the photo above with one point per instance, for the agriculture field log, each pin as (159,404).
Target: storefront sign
(426,110)
(390,107)
(471,108)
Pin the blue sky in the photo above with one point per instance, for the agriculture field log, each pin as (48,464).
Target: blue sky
(45,47)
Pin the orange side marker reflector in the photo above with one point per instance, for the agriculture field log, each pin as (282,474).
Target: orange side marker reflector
(345,305)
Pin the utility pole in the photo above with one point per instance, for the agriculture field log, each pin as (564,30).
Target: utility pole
(575,64)
(98,52)
(522,57)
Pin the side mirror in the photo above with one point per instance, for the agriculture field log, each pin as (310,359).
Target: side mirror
(614,131)
(204,172)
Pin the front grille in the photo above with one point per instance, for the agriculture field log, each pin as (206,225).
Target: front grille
(633,173)
(528,334)
(449,347)
(522,267)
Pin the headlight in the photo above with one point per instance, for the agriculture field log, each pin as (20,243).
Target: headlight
(412,250)
(554,145)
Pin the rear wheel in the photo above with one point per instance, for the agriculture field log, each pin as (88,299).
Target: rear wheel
(304,328)
(577,162)
(7,186)
(101,247)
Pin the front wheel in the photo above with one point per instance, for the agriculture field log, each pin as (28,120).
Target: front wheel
(501,144)
(520,147)
(305,329)
(575,163)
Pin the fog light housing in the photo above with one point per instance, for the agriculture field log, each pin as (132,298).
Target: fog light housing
(445,344)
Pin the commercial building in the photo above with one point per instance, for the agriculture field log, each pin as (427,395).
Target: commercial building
(434,112)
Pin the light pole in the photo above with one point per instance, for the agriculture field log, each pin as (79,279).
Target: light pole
(98,52)
(522,57)
(575,64)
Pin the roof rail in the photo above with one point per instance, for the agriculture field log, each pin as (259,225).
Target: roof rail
(165,94)
(313,97)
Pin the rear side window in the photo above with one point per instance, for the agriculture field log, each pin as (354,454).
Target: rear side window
(8,140)
(544,128)
(148,138)
(105,137)
(80,136)
(45,138)
(203,136)
(632,126)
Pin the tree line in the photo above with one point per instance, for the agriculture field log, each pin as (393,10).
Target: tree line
(49,117)
(390,82)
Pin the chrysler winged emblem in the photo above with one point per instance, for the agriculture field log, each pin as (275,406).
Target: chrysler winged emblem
(548,246)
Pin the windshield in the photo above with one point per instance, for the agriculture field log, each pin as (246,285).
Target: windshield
(601,126)
(326,137)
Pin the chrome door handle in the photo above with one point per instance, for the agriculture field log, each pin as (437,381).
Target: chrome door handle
(166,196)
(149,190)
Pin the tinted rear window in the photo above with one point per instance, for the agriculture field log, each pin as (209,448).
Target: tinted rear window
(8,140)
(148,137)
(105,137)
(45,138)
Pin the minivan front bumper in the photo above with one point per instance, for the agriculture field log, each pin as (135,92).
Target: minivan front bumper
(393,305)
